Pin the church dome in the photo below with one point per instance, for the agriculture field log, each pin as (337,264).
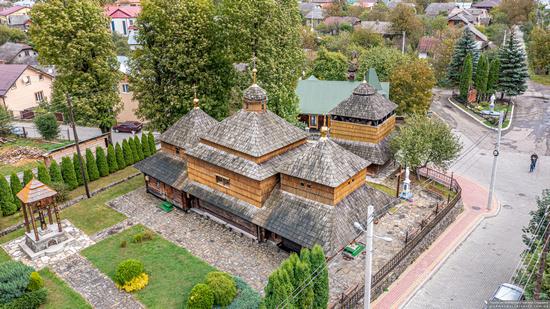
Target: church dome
(255,93)
(364,89)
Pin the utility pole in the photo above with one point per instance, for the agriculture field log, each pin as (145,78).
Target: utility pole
(542,265)
(495,158)
(71,114)
(368,259)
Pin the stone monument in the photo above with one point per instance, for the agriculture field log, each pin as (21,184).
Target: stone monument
(406,193)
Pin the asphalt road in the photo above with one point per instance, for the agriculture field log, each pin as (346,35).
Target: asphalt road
(488,257)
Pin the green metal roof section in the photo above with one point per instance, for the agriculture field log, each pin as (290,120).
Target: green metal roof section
(320,96)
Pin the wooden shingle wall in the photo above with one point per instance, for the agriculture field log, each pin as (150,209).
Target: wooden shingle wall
(360,132)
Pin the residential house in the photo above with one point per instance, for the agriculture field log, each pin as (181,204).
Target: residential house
(23,87)
(334,22)
(17,53)
(461,17)
(21,22)
(368,4)
(129,105)
(315,17)
(427,46)
(258,174)
(27,3)
(486,4)
(383,28)
(439,8)
(132,38)
(393,4)
(128,2)
(482,42)
(9,15)
(306,7)
(322,3)
(122,17)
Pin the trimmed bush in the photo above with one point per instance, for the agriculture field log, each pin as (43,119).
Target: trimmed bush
(43,174)
(101,161)
(55,172)
(123,244)
(27,176)
(145,145)
(35,282)
(201,297)
(127,151)
(14,279)
(67,170)
(77,170)
(91,166)
(62,191)
(128,270)
(152,146)
(6,198)
(133,148)
(223,287)
(139,150)
(136,284)
(29,300)
(16,186)
(47,125)
(111,159)
(119,157)
(247,296)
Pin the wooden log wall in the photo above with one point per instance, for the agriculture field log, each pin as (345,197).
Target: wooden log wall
(349,186)
(257,160)
(361,132)
(228,217)
(308,189)
(246,189)
(172,149)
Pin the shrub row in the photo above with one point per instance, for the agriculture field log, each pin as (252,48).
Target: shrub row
(20,286)
(218,289)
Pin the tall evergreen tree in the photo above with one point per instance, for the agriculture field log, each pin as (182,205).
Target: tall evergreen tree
(16,186)
(43,174)
(513,67)
(55,172)
(111,159)
(304,296)
(101,161)
(67,171)
(320,285)
(152,144)
(27,176)
(7,205)
(135,157)
(482,75)
(464,46)
(271,30)
(162,80)
(73,36)
(139,150)
(145,146)
(466,78)
(492,80)
(77,169)
(278,290)
(121,163)
(128,155)
(91,165)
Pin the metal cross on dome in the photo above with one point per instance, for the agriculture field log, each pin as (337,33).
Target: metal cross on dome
(254,70)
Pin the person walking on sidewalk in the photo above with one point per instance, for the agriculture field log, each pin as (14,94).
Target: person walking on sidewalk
(534,158)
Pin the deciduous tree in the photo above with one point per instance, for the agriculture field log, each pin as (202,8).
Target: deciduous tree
(411,87)
(8,34)
(379,12)
(403,18)
(383,59)
(366,38)
(538,49)
(517,10)
(47,125)
(330,65)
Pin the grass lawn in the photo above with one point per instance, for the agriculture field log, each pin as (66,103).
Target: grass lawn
(4,257)
(389,191)
(104,181)
(60,294)
(172,270)
(541,79)
(7,169)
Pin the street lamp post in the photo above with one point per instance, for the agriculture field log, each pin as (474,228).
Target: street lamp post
(370,246)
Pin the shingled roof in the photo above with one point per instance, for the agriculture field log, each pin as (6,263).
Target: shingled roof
(35,191)
(187,131)
(376,153)
(364,103)
(167,168)
(254,133)
(326,163)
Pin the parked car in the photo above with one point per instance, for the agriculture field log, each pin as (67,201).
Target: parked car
(507,292)
(128,127)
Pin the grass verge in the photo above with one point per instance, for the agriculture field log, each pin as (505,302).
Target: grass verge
(389,191)
(172,270)
(541,79)
(60,294)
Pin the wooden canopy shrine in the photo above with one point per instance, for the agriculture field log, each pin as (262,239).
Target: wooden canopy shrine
(38,198)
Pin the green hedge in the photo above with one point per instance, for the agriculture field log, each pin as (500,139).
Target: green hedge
(29,300)
(201,297)
(128,270)
(14,279)
(223,287)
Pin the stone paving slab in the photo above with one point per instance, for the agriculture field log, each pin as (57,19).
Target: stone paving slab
(214,243)
(99,290)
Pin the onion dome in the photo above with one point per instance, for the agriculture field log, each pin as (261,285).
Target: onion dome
(364,89)
(255,94)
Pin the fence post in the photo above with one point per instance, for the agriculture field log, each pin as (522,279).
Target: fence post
(68,134)
(24,132)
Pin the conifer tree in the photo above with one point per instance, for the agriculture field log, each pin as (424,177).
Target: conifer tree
(127,151)
(139,150)
(111,159)
(101,161)
(27,176)
(43,174)
(278,290)
(6,198)
(303,299)
(55,172)
(464,46)
(145,145)
(466,78)
(77,170)
(320,285)
(492,80)
(482,75)
(91,166)
(16,186)
(152,144)
(67,171)
(513,68)
(132,144)
(121,163)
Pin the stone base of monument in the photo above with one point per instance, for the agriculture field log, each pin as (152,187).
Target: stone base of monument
(50,242)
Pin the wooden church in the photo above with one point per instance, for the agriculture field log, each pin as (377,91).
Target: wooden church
(259,174)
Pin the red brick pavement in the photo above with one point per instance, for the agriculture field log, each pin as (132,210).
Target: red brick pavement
(474,198)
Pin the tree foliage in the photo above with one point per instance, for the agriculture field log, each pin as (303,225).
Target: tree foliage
(201,297)
(139,149)
(278,290)
(91,165)
(73,35)
(133,149)
(383,59)
(7,204)
(14,279)
(422,141)
(152,143)
(366,38)
(121,44)
(442,56)
(466,78)
(379,12)
(517,11)
(330,66)
(15,185)
(55,172)
(43,174)
(320,285)
(27,176)
(67,171)
(538,50)
(464,46)
(411,87)
(492,79)
(403,18)
(145,146)
(78,170)
(128,154)
(47,125)
(482,75)
(121,162)
(513,68)
(101,161)
(111,159)
(5,121)
(8,34)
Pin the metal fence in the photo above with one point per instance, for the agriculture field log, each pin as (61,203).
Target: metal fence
(32,132)
(352,296)
(523,304)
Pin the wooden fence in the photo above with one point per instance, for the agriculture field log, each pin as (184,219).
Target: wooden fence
(352,296)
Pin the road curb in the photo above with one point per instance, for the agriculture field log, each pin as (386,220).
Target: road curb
(481,122)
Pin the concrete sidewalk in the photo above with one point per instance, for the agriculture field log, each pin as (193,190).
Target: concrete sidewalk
(474,198)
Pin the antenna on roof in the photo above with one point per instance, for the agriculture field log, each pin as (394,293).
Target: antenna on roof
(254,70)
(195,99)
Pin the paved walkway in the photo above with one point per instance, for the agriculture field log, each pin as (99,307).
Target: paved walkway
(474,198)
(97,288)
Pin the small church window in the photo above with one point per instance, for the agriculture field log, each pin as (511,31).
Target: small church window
(177,150)
(309,185)
(222,181)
